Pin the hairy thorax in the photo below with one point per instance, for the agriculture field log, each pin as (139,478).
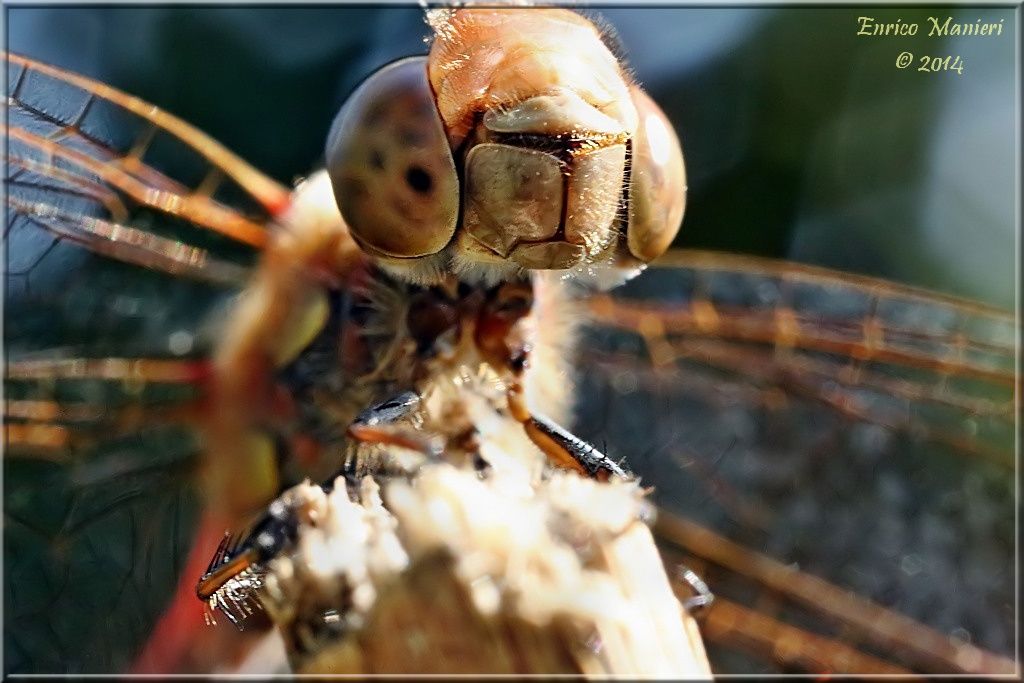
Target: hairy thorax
(321,333)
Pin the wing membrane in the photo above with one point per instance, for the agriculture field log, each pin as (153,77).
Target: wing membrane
(189,206)
(82,167)
(103,534)
(894,633)
(818,422)
(104,379)
(100,462)
(937,367)
(37,99)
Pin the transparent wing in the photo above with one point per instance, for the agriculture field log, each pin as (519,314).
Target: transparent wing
(127,230)
(859,431)
(937,367)
(98,507)
(782,626)
(82,163)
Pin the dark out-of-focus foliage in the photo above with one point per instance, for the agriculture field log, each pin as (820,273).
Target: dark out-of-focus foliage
(802,139)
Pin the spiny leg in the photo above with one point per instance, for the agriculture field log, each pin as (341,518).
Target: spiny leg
(560,445)
(236,571)
(376,425)
(499,339)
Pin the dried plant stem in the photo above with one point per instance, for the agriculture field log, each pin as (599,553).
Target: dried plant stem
(453,573)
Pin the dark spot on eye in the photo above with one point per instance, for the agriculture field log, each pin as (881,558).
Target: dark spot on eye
(374,114)
(425,108)
(412,137)
(418,179)
(377,159)
(354,188)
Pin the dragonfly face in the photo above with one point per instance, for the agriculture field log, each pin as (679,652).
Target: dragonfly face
(511,153)
(817,418)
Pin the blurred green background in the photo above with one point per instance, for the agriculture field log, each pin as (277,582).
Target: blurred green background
(802,141)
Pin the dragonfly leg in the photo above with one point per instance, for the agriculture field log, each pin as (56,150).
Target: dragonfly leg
(182,641)
(376,425)
(236,568)
(562,447)
(501,341)
(702,598)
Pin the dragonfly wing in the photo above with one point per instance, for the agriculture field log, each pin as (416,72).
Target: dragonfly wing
(82,166)
(96,118)
(856,429)
(99,512)
(127,233)
(934,367)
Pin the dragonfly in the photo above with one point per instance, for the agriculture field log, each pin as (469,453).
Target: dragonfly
(100,443)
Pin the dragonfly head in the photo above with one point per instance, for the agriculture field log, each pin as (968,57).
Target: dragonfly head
(513,146)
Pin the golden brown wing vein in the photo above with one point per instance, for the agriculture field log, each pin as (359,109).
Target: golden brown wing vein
(267,192)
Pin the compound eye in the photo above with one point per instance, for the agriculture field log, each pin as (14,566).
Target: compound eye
(391,166)
(657,190)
